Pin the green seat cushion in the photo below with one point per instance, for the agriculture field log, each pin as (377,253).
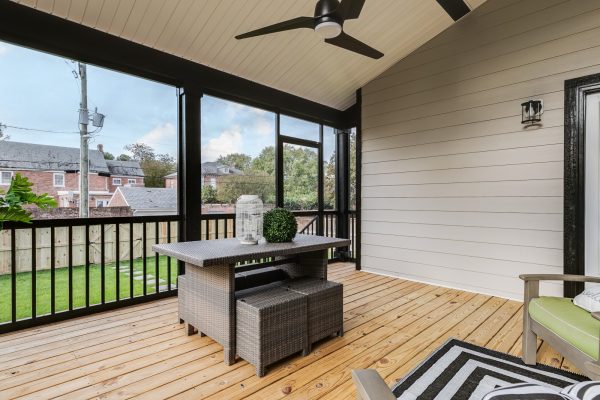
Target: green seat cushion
(571,323)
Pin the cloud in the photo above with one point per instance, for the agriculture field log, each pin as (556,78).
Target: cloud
(234,108)
(229,141)
(265,127)
(160,135)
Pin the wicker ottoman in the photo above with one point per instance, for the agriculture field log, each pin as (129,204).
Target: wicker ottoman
(181,296)
(270,325)
(325,307)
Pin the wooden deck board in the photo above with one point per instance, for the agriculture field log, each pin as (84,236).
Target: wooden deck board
(142,352)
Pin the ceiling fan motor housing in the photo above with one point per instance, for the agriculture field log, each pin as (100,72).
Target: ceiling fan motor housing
(328,23)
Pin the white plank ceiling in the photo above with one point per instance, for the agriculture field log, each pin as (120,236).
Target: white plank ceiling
(297,62)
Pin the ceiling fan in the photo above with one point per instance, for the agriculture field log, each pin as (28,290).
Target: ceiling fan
(328,22)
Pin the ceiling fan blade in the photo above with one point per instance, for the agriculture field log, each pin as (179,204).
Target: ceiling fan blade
(296,23)
(350,9)
(347,42)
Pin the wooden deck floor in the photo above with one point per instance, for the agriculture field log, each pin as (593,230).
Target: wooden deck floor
(142,352)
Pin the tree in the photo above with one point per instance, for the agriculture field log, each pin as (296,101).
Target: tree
(265,161)
(141,151)
(19,194)
(108,156)
(352,182)
(155,166)
(209,195)
(124,157)
(231,187)
(300,178)
(236,160)
(329,181)
(3,135)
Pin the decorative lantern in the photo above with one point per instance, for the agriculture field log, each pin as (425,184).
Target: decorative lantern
(531,112)
(249,219)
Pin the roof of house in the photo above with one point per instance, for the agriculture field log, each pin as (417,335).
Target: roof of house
(42,157)
(143,198)
(214,168)
(17,155)
(126,168)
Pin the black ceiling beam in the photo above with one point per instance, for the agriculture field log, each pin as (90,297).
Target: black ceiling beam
(455,8)
(28,27)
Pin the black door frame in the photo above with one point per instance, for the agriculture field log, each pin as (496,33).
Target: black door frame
(280,195)
(576,91)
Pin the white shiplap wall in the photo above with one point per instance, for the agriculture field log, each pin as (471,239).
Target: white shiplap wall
(455,191)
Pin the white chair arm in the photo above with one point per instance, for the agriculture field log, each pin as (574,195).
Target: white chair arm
(370,386)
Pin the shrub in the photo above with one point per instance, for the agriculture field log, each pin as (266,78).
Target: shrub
(279,226)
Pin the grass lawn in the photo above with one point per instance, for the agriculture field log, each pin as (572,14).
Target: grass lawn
(24,298)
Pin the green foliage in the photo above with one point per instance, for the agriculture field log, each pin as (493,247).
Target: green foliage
(231,187)
(124,157)
(108,156)
(265,161)
(236,160)
(209,195)
(300,185)
(155,166)
(279,226)
(18,195)
(141,151)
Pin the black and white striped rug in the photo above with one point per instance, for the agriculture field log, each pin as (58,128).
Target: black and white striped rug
(463,371)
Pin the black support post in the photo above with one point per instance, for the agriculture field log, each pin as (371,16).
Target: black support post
(342,181)
(278,163)
(189,168)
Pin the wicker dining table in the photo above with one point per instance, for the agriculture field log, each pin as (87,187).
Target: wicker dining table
(210,267)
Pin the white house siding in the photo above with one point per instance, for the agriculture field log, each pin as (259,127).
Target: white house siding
(454,190)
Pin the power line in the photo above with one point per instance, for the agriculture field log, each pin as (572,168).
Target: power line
(36,129)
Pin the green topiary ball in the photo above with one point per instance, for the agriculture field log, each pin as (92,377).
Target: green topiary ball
(279,226)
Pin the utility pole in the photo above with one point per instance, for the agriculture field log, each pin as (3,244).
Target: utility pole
(84,197)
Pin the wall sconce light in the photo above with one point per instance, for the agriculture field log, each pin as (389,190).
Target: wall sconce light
(531,112)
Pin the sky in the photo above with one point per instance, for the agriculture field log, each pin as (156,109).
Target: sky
(40,91)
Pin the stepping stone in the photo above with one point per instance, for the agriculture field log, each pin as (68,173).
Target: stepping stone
(141,277)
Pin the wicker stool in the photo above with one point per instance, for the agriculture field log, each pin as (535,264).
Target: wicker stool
(325,307)
(186,307)
(181,293)
(270,325)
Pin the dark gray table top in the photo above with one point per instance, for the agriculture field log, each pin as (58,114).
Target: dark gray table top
(227,251)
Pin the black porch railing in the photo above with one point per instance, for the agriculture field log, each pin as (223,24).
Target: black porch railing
(57,269)
(61,268)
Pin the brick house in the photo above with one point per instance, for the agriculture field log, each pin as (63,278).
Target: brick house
(211,173)
(55,170)
(124,173)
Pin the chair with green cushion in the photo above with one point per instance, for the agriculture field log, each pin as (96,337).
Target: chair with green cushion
(569,329)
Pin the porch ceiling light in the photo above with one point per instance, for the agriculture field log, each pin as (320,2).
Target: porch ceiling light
(531,112)
(328,29)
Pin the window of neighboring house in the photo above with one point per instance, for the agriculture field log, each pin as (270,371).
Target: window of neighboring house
(59,180)
(101,203)
(131,181)
(5,177)
(116,181)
